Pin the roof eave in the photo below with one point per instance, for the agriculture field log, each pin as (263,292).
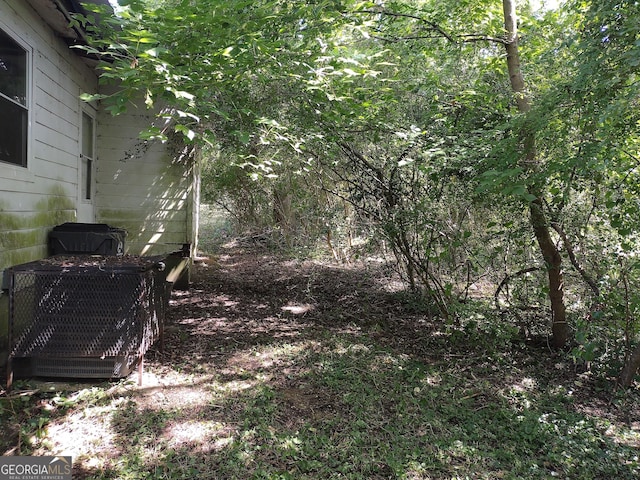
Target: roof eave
(58,14)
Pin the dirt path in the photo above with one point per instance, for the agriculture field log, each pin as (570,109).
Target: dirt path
(282,368)
(237,328)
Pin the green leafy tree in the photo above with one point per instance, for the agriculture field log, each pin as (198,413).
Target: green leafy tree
(530,164)
(445,126)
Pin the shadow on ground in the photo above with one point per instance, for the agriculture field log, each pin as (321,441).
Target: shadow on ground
(281,368)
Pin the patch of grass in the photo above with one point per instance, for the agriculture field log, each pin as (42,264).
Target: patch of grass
(215,229)
(256,392)
(361,411)
(405,419)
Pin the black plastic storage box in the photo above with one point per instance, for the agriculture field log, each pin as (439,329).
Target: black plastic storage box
(86,239)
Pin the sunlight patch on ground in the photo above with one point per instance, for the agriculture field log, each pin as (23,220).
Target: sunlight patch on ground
(625,437)
(524,385)
(205,435)
(172,387)
(433,380)
(79,437)
(343,349)
(298,309)
(234,386)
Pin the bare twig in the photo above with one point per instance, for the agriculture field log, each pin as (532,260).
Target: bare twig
(431,25)
(574,261)
(507,279)
(437,30)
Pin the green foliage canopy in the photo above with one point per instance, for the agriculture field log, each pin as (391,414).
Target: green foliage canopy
(367,100)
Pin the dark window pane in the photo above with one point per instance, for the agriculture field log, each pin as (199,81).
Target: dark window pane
(13,70)
(87,182)
(87,135)
(87,154)
(13,133)
(13,101)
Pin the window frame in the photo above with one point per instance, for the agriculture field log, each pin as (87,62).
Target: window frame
(87,163)
(20,169)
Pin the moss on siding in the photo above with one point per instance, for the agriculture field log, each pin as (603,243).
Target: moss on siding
(23,238)
(10,221)
(16,239)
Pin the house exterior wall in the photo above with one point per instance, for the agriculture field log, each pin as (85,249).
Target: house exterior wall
(148,188)
(45,193)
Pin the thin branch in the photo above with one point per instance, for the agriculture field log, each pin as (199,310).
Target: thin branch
(505,281)
(432,25)
(574,261)
(477,37)
(405,39)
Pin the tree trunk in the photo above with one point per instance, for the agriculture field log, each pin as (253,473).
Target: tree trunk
(553,262)
(630,367)
(283,214)
(537,217)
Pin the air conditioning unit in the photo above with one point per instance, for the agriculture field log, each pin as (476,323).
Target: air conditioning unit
(84,316)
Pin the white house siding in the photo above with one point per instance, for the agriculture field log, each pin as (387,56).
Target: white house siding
(140,187)
(146,187)
(44,194)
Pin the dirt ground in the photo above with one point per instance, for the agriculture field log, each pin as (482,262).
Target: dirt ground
(240,302)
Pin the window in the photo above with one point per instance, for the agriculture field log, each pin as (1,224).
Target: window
(87,156)
(14,112)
